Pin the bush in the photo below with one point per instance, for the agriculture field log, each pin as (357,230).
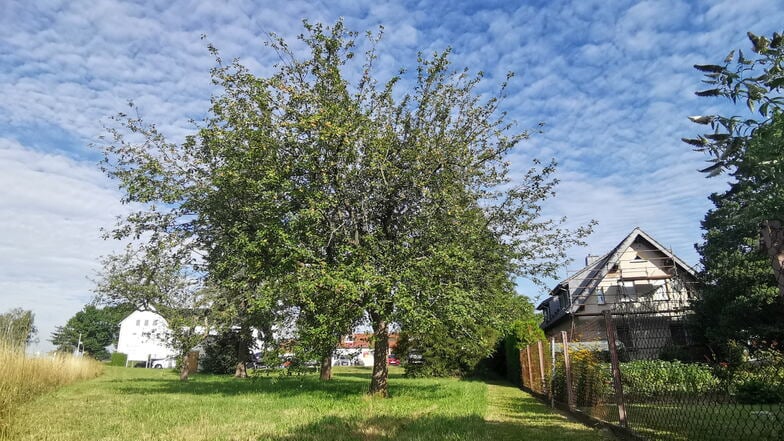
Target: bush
(221,354)
(648,378)
(759,391)
(591,378)
(759,379)
(118,359)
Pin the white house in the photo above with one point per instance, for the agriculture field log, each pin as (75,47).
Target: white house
(143,337)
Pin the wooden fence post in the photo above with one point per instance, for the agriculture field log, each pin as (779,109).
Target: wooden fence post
(530,370)
(552,371)
(568,371)
(616,368)
(541,366)
(522,367)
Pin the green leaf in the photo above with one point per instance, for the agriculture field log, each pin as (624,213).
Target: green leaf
(709,92)
(709,68)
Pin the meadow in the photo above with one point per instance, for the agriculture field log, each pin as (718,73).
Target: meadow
(149,404)
(22,378)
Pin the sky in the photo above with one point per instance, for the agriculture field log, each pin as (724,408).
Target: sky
(612,81)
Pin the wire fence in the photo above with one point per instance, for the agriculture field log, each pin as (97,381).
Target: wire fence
(637,368)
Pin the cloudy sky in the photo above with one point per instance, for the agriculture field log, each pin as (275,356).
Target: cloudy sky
(612,81)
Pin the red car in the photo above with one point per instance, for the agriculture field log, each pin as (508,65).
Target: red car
(392,360)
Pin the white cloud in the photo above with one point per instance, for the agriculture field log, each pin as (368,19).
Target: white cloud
(612,81)
(53,207)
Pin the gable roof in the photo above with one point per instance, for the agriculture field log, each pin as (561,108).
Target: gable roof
(588,278)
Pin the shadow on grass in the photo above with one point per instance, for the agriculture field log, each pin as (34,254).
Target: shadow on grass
(341,386)
(430,428)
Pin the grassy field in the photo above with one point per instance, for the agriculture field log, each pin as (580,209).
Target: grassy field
(147,404)
(22,378)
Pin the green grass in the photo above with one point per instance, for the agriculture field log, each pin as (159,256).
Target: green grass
(706,422)
(146,404)
(709,422)
(22,378)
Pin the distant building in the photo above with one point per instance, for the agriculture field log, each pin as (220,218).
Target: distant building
(357,349)
(143,336)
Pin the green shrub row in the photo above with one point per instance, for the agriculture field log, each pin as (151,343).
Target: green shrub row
(648,378)
(118,359)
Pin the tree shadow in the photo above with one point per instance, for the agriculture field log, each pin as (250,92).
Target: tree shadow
(430,428)
(341,386)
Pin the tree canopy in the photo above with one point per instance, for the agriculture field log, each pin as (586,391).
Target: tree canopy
(749,147)
(743,247)
(97,328)
(347,199)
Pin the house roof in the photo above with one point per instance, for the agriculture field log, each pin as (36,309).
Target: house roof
(363,341)
(589,277)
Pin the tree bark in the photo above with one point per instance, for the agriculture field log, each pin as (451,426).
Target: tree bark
(772,240)
(242,354)
(184,367)
(326,368)
(378,383)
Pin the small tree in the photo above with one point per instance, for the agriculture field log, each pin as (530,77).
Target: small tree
(153,277)
(17,328)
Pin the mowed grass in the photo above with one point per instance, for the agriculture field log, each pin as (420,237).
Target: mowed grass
(709,422)
(22,378)
(147,404)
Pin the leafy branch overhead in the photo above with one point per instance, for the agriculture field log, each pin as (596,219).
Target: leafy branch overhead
(755,82)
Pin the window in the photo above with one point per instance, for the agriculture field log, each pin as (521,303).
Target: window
(138,322)
(628,292)
(146,323)
(349,339)
(600,296)
(155,322)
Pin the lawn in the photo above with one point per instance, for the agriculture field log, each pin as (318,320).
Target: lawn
(147,404)
(683,421)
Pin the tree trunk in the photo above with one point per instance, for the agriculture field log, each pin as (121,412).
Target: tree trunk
(772,235)
(378,383)
(184,367)
(242,354)
(326,368)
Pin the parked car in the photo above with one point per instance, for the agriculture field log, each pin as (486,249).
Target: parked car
(415,358)
(161,363)
(392,360)
(342,360)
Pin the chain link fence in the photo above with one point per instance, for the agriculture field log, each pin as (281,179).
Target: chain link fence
(637,368)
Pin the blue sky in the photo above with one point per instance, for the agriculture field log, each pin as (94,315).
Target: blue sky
(612,81)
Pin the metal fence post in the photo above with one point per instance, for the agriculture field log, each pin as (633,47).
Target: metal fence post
(541,365)
(568,371)
(616,369)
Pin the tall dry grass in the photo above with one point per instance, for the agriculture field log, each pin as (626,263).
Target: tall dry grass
(23,378)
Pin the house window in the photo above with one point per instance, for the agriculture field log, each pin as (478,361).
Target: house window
(600,297)
(155,322)
(146,322)
(349,339)
(138,322)
(627,291)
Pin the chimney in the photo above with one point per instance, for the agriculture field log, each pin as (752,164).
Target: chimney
(589,259)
